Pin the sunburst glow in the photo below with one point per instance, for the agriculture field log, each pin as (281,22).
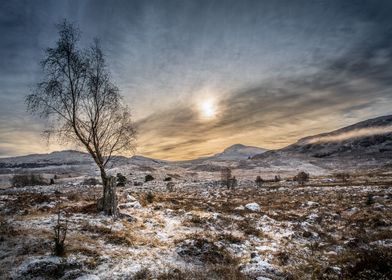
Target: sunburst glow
(208,109)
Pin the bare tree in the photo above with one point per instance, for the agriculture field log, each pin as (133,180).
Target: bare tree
(82,104)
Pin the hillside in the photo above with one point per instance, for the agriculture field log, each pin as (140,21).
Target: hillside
(368,142)
(239,152)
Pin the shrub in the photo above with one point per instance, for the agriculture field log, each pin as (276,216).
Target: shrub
(170,186)
(167,179)
(204,251)
(121,180)
(301,178)
(60,233)
(22,180)
(136,184)
(370,199)
(277,178)
(150,197)
(342,176)
(259,181)
(142,274)
(373,263)
(148,178)
(232,183)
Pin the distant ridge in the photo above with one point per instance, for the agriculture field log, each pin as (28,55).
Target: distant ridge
(367,140)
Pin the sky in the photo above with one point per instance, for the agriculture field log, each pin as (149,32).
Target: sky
(200,75)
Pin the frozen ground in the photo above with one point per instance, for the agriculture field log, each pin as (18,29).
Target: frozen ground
(327,229)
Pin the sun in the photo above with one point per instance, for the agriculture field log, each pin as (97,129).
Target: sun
(208,109)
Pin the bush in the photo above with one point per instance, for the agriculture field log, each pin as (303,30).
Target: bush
(150,197)
(136,184)
(301,178)
(232,183)
(342,176)
(121,180)
(370,199)
(60,233)
(277,178)
(148,178)
(373,263)
(259,181)
(167,179)
(23,180)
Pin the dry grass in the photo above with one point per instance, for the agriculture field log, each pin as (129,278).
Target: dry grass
(89,208)
(338,242)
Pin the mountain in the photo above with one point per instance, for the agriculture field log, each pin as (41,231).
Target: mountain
(67,157)
(238,152)
(370,137)
(368,141)
(367,144)
(137,159)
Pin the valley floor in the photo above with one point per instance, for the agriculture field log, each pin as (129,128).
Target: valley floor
(324,230)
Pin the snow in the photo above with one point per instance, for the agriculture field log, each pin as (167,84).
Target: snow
(257,267)
(157,228)
(88,277)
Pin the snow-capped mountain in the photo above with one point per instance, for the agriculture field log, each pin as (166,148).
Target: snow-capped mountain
(370,137)
(368,142)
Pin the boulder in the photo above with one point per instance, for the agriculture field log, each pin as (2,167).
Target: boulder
(253,207)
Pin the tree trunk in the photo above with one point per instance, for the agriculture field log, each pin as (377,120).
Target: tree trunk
(108,203)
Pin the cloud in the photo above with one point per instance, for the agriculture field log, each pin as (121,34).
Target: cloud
(364,132)
(279,70)
(277,114)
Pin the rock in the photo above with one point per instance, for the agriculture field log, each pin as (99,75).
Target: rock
(378,207)
(353,210)
(215,216)
(135,205)
(88,277)
(169,212)
(313,217)
(253,207)
(260,269)
(46,267)
(310,204)
(127,217)
(131,198)
(201,252)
